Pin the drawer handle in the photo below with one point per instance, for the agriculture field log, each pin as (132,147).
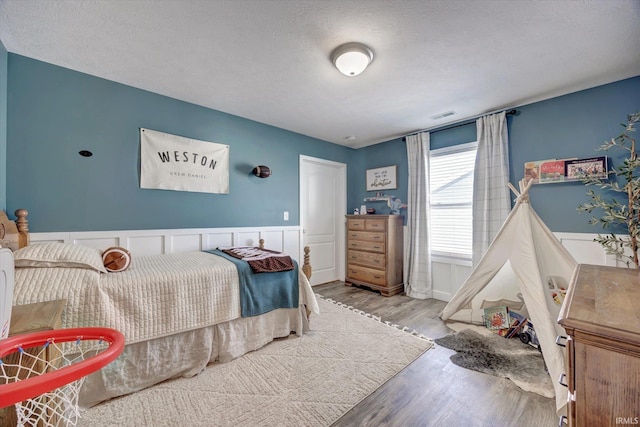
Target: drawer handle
(561,382)
(563,421)
(377,277)
(560,338)
(377,247)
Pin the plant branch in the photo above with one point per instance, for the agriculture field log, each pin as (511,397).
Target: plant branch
(613,212)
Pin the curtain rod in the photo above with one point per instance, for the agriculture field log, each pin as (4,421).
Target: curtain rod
(465,122)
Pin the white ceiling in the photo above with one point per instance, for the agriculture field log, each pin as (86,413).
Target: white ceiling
(268,60)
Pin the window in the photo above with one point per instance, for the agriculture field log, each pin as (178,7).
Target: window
(451,187)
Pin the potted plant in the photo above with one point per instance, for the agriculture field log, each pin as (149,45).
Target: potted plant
(622,210)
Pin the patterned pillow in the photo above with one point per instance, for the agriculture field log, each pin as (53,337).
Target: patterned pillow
(53,255)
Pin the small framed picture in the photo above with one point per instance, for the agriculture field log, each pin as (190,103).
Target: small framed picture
(385,178)
(583,168)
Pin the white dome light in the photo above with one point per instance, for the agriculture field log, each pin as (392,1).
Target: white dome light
(352,58)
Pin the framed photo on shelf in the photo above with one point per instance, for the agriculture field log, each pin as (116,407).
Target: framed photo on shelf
(384,178)
(580,169)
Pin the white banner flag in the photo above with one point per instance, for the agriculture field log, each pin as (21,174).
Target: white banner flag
(171,162)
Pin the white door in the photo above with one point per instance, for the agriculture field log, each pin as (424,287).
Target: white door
(323,205)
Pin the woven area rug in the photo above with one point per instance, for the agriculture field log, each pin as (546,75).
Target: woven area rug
(297,381)
(484,351)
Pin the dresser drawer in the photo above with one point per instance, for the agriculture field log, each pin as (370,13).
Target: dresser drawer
(375,225)
(363,245)
(367,236)
(368,275)
(356,224)
(367,224)
(369,259)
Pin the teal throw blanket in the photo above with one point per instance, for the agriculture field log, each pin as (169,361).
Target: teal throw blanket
(264,292)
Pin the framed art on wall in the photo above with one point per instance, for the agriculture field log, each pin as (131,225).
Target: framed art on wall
(384,178)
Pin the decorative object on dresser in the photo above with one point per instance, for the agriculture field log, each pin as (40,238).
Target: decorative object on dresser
(600,315)
(374,252)
(393,202)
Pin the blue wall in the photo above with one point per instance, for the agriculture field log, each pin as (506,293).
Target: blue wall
(54,112)
(573,125)
(386,154)
(3,126)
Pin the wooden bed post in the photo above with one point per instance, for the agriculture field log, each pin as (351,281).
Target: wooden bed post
(23,227)
(306,266)
(14,234)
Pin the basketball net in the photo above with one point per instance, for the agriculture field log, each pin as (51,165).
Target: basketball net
(45,405)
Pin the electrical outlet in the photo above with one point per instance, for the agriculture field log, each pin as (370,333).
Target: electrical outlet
(286,216)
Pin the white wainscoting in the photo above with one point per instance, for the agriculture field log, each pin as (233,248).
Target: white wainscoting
(156,242)
(449,275)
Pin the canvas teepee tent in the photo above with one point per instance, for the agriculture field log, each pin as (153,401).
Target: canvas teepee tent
(524,263)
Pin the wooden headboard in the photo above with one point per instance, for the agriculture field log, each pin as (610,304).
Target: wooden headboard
(14,234)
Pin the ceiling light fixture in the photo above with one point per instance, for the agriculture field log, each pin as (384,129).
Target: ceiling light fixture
(352,58)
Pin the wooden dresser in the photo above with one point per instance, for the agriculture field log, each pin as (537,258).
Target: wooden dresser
(601,314)
(374,252)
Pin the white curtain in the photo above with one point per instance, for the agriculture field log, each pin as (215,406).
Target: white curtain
(417,254)
(491,204)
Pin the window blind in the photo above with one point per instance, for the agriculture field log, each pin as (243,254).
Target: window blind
(451,187)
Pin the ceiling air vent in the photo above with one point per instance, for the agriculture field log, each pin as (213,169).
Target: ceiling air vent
(442,115)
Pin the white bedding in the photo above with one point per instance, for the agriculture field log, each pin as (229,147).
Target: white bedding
(178,312)
(157,296)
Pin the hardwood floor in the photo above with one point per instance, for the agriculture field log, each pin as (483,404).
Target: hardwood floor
(432,391)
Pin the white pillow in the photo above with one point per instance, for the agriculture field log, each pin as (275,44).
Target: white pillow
(54,255)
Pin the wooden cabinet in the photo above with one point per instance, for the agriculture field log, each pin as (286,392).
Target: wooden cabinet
(374,252)
(29,318)
(601,314)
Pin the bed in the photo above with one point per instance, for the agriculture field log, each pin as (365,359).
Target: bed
(179,312)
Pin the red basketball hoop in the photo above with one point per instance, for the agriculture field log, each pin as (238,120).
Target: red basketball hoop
(78,352)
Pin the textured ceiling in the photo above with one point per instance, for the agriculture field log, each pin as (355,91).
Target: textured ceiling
(268,60)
